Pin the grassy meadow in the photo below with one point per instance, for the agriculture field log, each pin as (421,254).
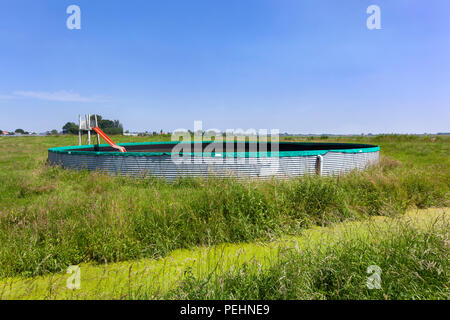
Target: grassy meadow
(305,238)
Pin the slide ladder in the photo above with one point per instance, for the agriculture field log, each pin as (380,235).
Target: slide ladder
(108,139)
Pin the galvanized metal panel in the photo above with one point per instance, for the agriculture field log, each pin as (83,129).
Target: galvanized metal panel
(334,163)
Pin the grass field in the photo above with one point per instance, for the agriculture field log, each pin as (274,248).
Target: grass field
(124,232)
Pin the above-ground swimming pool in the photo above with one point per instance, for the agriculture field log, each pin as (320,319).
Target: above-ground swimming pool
(248,160)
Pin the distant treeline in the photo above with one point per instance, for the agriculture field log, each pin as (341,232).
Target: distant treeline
(108,126)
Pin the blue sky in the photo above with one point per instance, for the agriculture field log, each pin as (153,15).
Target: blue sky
(301,66)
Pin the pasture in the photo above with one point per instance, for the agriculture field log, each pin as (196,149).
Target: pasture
(305,238)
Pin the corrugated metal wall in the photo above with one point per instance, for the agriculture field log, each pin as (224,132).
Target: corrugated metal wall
(334,163)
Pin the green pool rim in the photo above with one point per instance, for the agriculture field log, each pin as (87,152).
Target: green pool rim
(351,148)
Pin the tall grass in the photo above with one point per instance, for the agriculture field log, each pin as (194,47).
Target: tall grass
(319,263)
(413,261)
(51,218)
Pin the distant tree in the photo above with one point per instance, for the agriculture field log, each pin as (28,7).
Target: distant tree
(20,131)
(54,132)
(70,128)
(108,126)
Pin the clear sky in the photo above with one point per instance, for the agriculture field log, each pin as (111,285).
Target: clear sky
(301,66)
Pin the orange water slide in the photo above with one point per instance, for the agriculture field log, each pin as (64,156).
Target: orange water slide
(108,139)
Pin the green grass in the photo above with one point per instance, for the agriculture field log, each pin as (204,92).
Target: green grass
(412,256)
(52,218)
(320,263)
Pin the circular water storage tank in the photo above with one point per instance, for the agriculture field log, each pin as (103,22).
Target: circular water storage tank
(170,160)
